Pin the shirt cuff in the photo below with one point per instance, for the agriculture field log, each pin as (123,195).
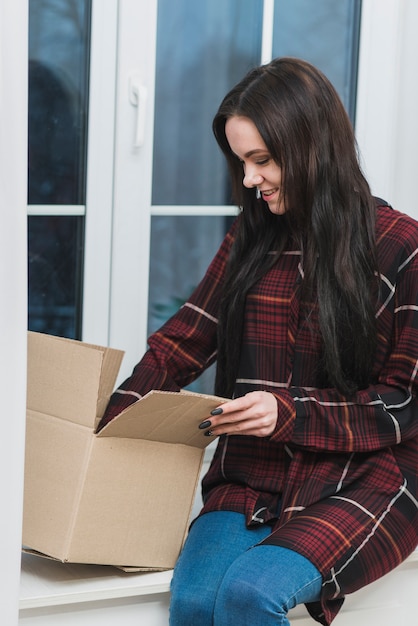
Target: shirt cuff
(286,414)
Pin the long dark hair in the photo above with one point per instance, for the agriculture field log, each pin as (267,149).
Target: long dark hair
(330,212)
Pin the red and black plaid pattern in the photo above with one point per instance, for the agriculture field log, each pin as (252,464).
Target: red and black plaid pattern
(337,480)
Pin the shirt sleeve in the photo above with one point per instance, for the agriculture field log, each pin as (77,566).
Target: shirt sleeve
(386,413)
(184,346)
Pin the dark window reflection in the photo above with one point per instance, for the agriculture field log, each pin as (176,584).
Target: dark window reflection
(55,141)
(59,33)
(59,48)
(326,33)
(55,270)
(203,49)
(182,248)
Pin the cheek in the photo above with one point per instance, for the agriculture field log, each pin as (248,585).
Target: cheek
(276,174)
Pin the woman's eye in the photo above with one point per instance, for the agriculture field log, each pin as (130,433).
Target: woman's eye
(263,162)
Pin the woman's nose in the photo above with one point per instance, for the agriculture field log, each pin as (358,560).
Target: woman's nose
(251,177)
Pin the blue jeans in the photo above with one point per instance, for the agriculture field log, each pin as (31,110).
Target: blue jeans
(222,578)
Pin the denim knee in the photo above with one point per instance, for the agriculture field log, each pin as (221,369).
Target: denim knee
(189,607)
(239,598)
(214,542)
(263,584)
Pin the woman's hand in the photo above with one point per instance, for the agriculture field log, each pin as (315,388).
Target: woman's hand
(253,414)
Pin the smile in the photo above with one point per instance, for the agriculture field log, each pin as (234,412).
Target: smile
(268,193)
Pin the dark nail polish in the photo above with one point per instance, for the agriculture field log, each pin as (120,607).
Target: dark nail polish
(208,433)
(216,411)
(205,424)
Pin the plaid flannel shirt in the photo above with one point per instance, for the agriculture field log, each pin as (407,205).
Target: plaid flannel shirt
(337,480)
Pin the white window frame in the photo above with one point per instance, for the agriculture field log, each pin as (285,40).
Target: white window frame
(118,206)
(384,79)
(100,172)
(119,176)
(98,209)
(128,293)
(13,281)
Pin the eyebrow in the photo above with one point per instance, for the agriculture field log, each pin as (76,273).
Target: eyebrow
(256,151)
(251,153)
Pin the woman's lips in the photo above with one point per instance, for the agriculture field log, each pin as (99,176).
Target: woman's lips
(268,193)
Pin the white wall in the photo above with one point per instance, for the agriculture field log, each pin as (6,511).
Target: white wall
(386,120)
(13,193)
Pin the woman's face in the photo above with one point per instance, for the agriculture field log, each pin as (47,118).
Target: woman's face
(260,170)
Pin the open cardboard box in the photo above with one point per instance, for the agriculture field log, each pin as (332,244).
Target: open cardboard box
(122,496)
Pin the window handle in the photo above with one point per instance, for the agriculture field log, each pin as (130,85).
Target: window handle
(138,95)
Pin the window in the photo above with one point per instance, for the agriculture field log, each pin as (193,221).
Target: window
(110,260)
(59,32)
(203,49)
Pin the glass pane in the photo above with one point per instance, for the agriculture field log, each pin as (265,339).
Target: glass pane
(203,49)
(55,268)
(182,248)
(59,33)
(326,33)
(59,41)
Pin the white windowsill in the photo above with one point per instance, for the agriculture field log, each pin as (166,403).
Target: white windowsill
(49,583)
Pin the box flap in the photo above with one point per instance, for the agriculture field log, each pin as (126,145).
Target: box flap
(165,416)
(70,379)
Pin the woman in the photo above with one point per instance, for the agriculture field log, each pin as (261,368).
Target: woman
(310,308)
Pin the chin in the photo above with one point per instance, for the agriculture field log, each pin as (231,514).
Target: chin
(277,210)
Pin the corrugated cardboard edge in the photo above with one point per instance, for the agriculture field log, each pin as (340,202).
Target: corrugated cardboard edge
(77,498)
(132,570)
(128,570)
(27,550)
(112,360)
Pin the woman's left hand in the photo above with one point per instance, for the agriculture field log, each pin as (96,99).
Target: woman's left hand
(253,414)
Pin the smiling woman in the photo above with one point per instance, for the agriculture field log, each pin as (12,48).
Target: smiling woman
(309,309)
(259,168)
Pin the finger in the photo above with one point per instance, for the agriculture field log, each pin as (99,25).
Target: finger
(242,412)
(260,427)
(238,404)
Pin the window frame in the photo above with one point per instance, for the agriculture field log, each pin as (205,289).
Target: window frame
(118,207)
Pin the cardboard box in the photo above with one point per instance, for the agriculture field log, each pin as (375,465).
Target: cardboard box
(122,496)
